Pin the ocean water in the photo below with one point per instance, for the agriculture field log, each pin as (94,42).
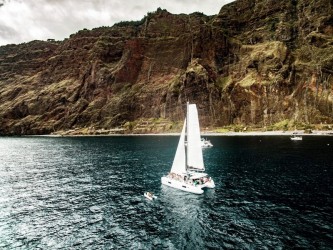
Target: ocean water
(87,193)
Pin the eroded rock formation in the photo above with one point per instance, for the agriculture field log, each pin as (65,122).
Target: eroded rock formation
(256,63)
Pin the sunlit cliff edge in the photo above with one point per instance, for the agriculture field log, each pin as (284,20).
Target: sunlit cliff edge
(261,64)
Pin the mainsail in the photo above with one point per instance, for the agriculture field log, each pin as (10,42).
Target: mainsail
(179,162)
(194,150)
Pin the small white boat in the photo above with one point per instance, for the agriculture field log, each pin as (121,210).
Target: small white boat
(206,143)
(149,196)
(296,138)
(187,171)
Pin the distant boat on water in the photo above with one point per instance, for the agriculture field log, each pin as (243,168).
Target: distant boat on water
(296,138)
(204,143)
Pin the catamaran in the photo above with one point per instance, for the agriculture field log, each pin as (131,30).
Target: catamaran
(187,171)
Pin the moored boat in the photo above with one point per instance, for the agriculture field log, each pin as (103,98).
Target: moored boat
(206,143)
(296,138)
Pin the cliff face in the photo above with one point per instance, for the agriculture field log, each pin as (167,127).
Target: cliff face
(283,58)
(257,63)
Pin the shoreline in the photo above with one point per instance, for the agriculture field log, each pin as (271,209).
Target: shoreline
(207,133)
(274,133)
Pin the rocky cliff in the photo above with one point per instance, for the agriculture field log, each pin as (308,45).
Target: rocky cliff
(261,63)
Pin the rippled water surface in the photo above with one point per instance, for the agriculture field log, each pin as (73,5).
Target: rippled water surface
(87,193)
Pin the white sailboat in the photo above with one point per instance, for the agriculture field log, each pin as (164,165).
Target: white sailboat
(187,171)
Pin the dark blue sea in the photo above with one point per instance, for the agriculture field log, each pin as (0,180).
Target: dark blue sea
(87,193)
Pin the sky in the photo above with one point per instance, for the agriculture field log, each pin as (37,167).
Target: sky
(27,20)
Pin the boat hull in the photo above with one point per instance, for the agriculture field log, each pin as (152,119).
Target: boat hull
(209,184)
(181,185)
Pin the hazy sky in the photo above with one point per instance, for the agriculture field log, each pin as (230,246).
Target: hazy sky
(26,20)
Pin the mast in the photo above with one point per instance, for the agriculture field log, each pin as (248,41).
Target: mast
(186,133)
